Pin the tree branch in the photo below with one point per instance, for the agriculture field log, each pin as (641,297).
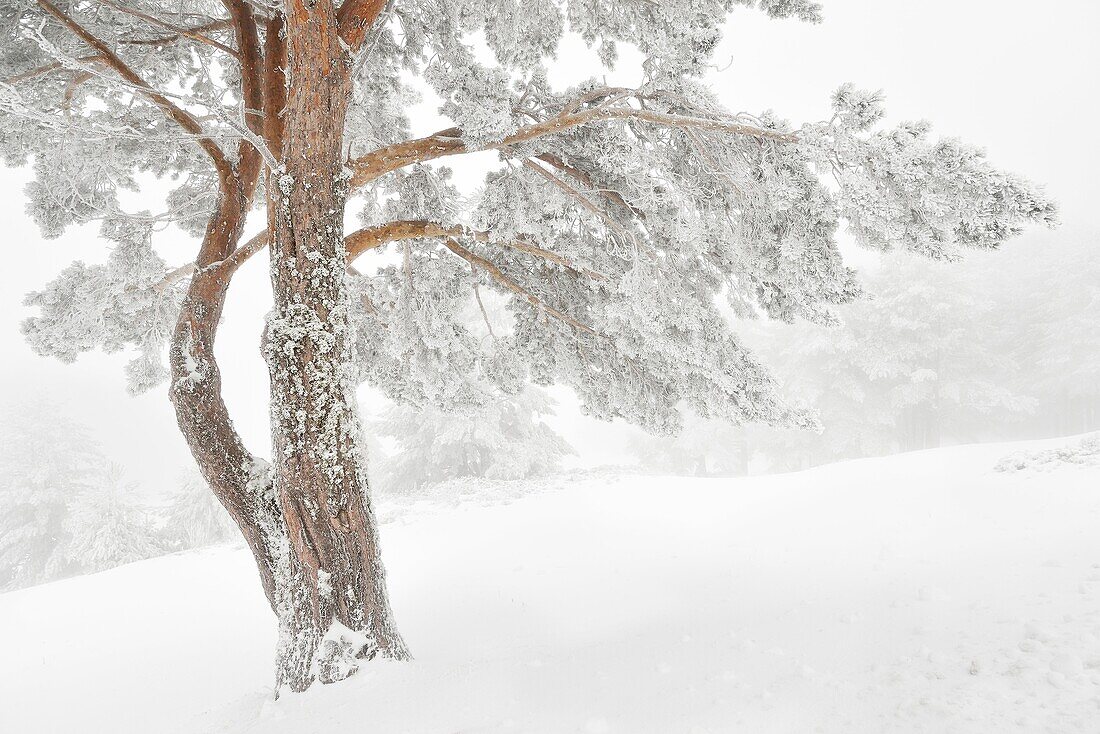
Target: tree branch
(250,59)
(448,142)
(609,221)
(585,178)
(47,68)
(363,240)
(163,41)
(355,18)
(371,237)
(274,83)
(184,32)
(178,115)
(511,285)
(215,25)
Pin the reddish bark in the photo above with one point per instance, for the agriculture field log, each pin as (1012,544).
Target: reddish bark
(335,609)
(307,519)
(232,472)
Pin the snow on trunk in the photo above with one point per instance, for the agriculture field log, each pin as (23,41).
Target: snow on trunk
(330,589)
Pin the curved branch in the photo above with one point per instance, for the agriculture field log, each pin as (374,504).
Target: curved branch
(355,18)
(579,197)
(215,25)
(511,285)
(585,178)
(274,83)
(231,471)
(163,41)
(47,68)
(250,59)
(369,238)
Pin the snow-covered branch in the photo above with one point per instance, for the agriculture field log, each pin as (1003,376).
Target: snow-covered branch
(178,31)
(451,142)
(180,116)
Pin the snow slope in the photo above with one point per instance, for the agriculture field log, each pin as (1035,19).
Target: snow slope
(917,593)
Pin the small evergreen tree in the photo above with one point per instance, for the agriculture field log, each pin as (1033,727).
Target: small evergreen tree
(195,518)
(108,528)
(63,509)
(925,359)
(1055,301)
(45,462)
(499,438)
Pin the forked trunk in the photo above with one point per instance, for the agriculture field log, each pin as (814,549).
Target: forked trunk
(306,518)
(331,596)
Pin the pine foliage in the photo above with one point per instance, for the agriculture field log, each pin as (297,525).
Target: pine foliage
(612,225)
(109,528)
(63,509)
(46,461)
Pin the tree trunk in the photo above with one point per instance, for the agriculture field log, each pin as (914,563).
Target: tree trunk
(331,595)
(307,518)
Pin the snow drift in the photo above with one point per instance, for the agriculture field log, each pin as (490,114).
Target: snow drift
(921,592)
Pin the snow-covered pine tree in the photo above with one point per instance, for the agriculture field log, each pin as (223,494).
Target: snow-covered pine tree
(46,461)
(194,518)
(503,438)
(614,220)
(937,352)
(1054,303)
(108,527)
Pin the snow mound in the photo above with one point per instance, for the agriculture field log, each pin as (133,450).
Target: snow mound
(1079,452)
(915,593)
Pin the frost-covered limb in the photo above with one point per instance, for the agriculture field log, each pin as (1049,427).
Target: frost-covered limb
(208,27)
(511,285)
(109,58)
(449,142)
(49,68)
(194,35)
(363,240)
(586,179)
(899,188)
(581,199)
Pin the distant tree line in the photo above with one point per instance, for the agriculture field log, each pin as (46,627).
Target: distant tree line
(66,510)
(1002,346)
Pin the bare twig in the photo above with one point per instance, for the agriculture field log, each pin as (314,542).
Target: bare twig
(480,305)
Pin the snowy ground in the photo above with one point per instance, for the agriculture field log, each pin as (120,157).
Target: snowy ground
(918,593)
